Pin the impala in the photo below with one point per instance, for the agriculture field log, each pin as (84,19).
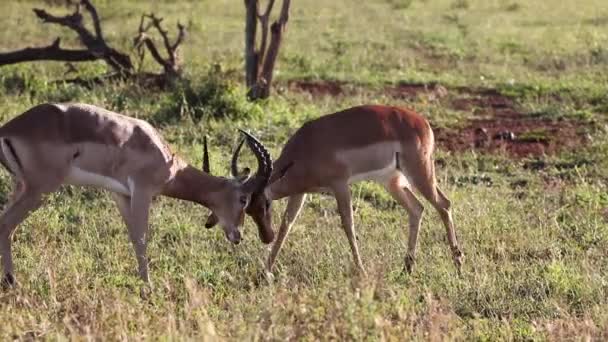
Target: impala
(389,145)
(54,144)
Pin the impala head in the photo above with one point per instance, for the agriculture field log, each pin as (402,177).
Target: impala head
(232,203)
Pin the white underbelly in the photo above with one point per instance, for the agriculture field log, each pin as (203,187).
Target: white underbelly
(382,176)
(78,176)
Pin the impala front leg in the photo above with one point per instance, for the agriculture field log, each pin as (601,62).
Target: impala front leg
(138,229)
(345,208)
(294,206)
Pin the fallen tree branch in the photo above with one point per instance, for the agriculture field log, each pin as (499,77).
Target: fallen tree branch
(96,48)
(119,61)
(51,53)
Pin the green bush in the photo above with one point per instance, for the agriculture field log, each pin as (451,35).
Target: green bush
(217,95)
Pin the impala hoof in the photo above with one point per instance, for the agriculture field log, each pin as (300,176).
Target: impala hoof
(8,282)
(268,276)
(410,263)
(458,258)
(145,292)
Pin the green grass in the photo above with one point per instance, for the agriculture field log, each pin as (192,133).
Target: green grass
(535,238)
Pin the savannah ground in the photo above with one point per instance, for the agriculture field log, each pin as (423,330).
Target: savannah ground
(531,213)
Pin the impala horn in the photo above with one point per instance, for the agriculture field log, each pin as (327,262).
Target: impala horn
(206,167)
(234,165)
(212,220)
(258,182)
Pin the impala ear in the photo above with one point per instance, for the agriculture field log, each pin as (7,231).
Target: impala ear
(212,220)
(244,175)
(284,170)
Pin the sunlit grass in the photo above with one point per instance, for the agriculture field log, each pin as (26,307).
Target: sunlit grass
(535,254)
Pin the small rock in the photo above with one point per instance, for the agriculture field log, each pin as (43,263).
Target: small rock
(504,135)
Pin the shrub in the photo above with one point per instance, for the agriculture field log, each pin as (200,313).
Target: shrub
(215,96)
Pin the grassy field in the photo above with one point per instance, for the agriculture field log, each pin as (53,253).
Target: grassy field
(534,228)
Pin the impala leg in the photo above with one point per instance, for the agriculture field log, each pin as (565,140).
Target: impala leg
(124,206)
(137,224)
(405,197)
(443,204)
(23,201)
(423,175)
(345,208)
(294,206)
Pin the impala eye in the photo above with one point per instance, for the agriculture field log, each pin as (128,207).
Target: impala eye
(243,200)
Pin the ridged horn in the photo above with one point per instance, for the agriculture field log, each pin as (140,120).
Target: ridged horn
(206,167)
(258,182)
(234,168)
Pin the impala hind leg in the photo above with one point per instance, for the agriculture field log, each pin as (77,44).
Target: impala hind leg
(404,196)
(294,206)
(443,204)
(23,201)
(345,208)
(421,172)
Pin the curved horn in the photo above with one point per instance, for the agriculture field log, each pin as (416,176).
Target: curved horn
(258,182)
(234,168)
(206,168)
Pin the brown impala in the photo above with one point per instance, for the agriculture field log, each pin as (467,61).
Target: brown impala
(54,144)
(389,145)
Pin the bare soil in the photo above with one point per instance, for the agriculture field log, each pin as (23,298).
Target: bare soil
(498,125)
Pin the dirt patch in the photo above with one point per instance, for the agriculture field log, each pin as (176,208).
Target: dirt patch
(498,124)
(517,137)
(318,88)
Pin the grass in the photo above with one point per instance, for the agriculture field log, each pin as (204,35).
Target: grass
(535,238)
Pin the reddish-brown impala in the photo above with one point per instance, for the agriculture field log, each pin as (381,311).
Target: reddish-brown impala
(389,145)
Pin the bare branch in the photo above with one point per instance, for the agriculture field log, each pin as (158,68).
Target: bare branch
(97,46)
(93,12)
(284,17)
(51,52)
(264,20)
(251,58)
(170,65)
(155,54)
(70,68)
(156,22)
(277,29)
(268,10)
(72,21)
(180,36)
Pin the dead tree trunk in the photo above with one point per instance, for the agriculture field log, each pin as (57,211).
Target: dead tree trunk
(259,63)
(251,62)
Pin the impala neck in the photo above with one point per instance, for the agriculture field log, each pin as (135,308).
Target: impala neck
(276,187)
(192,184)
